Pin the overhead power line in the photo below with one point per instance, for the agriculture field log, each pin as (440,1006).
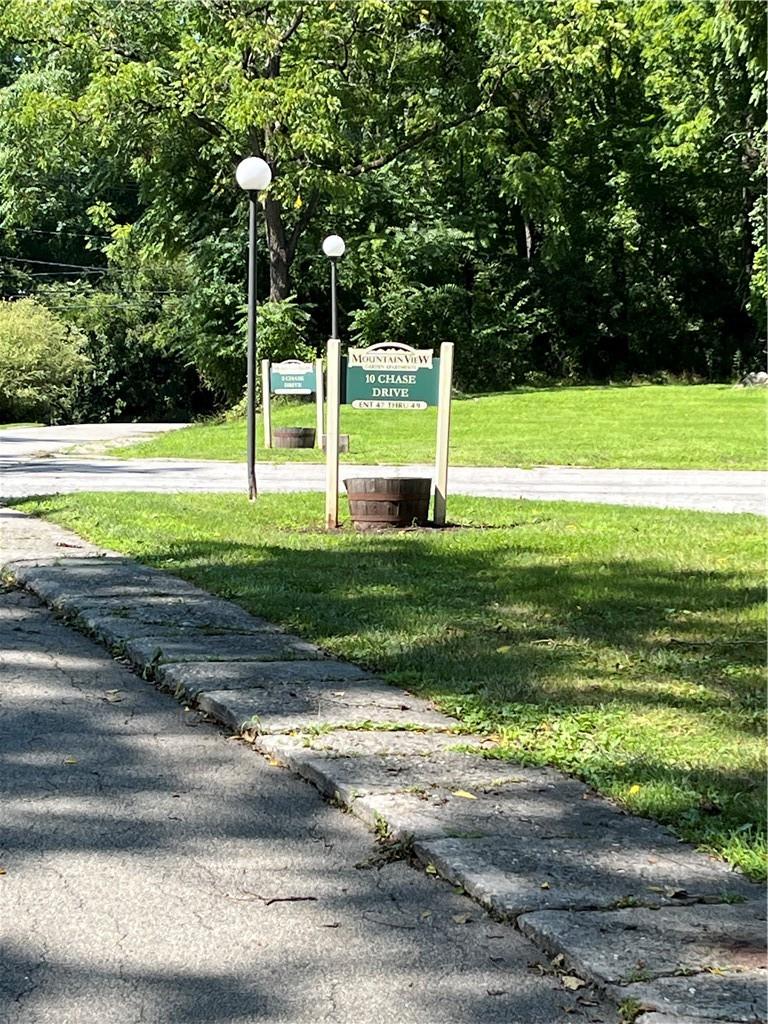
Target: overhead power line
(41,231)
(51,263)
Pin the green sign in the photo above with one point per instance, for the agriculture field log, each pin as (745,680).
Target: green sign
(391,377)
(292,377)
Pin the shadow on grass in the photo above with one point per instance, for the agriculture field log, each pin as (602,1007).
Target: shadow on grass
(469,622)
(575,660)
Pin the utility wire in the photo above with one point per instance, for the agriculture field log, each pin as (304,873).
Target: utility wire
(50,263)
(40,231)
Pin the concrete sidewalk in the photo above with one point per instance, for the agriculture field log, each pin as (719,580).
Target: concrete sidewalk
(668,933)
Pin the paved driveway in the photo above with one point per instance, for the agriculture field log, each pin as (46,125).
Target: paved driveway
(29,465)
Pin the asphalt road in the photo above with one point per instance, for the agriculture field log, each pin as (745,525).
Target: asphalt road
(156,871)
(30,463)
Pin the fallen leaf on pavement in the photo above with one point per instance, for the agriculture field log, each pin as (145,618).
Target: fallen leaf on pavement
(431,869)
(572,983)
(465,794)
(461,918)
(70,760)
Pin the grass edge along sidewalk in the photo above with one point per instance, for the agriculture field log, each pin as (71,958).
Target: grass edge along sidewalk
(622,645)
(546,844)
(642,427)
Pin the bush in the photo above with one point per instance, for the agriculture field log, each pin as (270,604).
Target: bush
(40,356)
(281,329)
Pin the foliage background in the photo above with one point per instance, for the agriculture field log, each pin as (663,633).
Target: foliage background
(568,190)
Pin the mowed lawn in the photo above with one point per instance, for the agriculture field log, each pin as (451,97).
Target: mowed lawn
(645,426)
(623,645)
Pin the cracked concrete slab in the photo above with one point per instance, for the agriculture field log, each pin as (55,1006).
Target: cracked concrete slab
(150,650)
(113,630)
(513,876)
(207,614)
(288,708)
(192,678)
(624,946)
(731,998)
(97,579)
(456,794)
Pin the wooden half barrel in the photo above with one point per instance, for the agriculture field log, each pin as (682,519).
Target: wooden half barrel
(343,442)
(381,502)
(293,437)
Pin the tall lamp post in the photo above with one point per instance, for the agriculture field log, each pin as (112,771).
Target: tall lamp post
(253,175)
(333,247)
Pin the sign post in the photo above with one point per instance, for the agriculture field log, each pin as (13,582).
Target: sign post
(291,377)
(319,399)
(332,436)
(389,376)
(266,403)
(443,432)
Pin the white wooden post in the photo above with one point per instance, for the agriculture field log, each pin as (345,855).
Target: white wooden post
(443,431)
(266,403)
(332,436)
(319,399)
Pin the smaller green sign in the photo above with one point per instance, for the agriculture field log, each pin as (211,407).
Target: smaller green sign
(292,377)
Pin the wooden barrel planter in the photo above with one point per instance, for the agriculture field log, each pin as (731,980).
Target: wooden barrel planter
(386,503)
(343,442)
(293,437)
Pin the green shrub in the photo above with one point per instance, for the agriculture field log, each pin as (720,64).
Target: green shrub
(40,357)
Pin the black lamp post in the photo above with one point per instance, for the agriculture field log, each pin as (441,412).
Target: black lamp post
(253,175)
(333,247)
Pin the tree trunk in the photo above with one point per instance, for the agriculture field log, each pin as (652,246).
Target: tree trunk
(279,257)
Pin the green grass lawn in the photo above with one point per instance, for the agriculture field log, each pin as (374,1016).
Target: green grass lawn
(623,645)
(688,427)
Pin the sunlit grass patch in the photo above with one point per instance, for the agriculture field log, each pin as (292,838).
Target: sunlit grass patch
(713,426)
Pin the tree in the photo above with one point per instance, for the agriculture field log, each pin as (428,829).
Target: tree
(39,358)
(172,97)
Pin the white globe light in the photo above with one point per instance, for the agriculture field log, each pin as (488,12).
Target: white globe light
(253,174)
(334,246)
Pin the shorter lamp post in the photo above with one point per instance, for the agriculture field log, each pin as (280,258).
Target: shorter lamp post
(333,247)
(253,175)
